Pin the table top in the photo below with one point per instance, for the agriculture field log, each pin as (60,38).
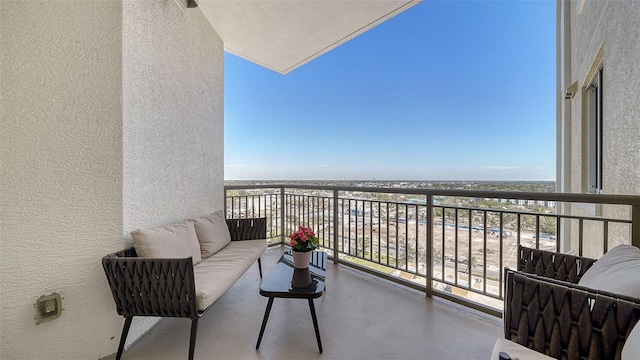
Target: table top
(282,278)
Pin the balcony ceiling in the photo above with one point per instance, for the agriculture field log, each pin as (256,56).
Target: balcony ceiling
(284,35)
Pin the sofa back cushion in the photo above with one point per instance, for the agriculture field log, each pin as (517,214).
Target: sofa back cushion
(170,241)
(617,271)
(213,233)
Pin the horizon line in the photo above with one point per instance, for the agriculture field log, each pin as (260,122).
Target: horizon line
(375,180)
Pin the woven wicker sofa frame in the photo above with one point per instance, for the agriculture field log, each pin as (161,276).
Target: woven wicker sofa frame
(163,287)
(554,265)
(545,310)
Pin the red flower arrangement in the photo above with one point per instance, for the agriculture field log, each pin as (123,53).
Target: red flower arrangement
(303,240)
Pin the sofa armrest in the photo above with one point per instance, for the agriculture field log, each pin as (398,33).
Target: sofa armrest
(247,229)
(561,319)
(553,265)
(151,286)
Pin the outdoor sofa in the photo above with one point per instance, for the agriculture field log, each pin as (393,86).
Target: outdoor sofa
(180,270)
(570,307)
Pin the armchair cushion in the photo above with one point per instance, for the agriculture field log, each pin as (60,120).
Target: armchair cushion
(616,272)
(631,349)
(213,233)
(170,241)
(516,351)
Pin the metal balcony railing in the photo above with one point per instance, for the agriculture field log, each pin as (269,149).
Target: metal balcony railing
(449,243)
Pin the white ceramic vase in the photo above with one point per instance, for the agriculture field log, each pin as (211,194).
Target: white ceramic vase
(301,259)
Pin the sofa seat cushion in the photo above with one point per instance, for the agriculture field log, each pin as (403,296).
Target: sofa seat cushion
(631,349)
(217,273)
(516,350)
(170,241)
(213,233)
(616,272)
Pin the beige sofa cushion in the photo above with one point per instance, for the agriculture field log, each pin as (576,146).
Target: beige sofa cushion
(217,273)
(617,271)
(213,233)
(516,350)
(170,241)
(631,349)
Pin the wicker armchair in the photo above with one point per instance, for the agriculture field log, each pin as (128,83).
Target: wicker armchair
(545,310)
(163,287)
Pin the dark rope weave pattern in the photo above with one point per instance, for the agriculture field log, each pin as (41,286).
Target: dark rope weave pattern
(151,287)
(553,265)
(566,321)
(247,229)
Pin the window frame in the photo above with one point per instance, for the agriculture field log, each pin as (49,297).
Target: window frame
(595,137)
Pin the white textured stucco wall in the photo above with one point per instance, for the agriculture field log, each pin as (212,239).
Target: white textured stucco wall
(112,119)
(613,25)
(172,118)
(61,174)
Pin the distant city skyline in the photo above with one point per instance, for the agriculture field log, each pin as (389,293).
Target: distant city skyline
(448,90)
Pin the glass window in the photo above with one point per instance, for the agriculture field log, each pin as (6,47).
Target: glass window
(594,93)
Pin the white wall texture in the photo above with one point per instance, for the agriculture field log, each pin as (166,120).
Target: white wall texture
(112,120)
(61,196)
(172,84)
(613,25)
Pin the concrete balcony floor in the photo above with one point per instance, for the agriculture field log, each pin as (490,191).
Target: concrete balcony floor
(360,317)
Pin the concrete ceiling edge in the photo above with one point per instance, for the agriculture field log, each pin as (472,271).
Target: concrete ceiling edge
(406,6)
(354,34)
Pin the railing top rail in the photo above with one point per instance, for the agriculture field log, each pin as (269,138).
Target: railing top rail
(561,197)
(249,187)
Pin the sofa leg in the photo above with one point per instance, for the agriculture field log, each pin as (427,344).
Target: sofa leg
(192,344)
(260,267)
(123,337)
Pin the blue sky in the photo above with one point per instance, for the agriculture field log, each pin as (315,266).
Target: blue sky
(448,90)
